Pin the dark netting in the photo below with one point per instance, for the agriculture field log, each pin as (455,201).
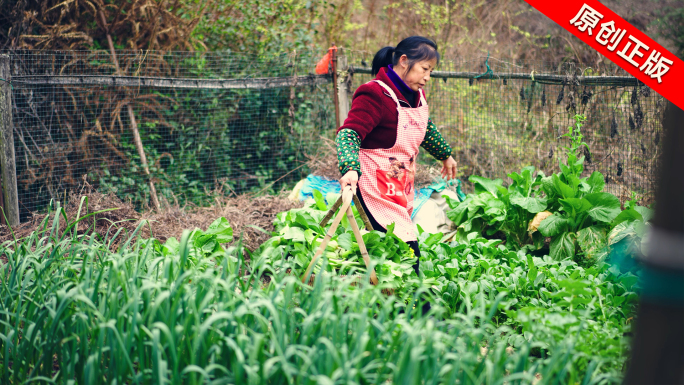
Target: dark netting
(230,122)
(498,123)
(207,121)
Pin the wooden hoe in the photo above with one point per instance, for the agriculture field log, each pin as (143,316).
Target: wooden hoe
(344,204)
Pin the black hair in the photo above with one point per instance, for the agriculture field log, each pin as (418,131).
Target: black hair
(416,48)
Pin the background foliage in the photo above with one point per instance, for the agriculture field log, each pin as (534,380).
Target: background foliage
(179,154)
(509,28)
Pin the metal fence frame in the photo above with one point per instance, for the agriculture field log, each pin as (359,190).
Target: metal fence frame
(341,70)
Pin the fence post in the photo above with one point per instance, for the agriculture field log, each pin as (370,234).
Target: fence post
(333,54)
(9,170)
(342,90)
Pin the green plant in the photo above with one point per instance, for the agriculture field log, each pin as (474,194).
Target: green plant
(582,212)
(593,304)
(504,211)
(298,236)
(670,25)
(571,210)
(576,142)
(545,299)
(80,307)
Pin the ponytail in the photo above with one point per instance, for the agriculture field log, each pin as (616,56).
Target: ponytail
(416,48)
(382,58)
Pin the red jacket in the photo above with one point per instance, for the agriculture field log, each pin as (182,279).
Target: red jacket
(374,115)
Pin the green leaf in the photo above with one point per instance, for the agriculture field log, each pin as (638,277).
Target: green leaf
(646,213)
(554,225)
(171,247)
(592,240)
(621,231)
(306,220)
(561,188)
(574,182)
(532,205)
(532,274)
(563,246)
(222,229)
(320,201)
(596,182)
(540,279)
(433,239)
(627,215)
(518,179)
(451,268)
(451,202)
(575,206)
(207,242)
(345,241)
(579,164)
(309,236)
(458,214)
(606,206)
(296,234)
(484,184)
(548,187)
(565,170)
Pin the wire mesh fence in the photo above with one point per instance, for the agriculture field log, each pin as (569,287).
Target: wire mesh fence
(500,116)
(235,123)
(206,121)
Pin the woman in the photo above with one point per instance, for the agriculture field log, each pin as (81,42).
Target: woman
(378,143)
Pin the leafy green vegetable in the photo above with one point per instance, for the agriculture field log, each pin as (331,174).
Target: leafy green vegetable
(581,212)
(190,311)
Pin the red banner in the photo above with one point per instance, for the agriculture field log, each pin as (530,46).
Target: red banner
(620,42)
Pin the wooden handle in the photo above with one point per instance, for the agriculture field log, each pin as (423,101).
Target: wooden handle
(331,212)
(346,201)
(362,213)
(362,246)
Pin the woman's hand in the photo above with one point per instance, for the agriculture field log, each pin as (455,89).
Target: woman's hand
(449,168)
(351,178)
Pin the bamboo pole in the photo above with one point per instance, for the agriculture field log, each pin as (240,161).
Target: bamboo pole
(134,124)
(346,201)
(362,213)
(362,245)
(331,212)
(10,203)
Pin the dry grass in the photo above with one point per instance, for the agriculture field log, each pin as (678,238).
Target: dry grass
(251,217)
(75,24)
(470,29)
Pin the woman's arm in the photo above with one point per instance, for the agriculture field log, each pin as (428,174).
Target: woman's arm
(364,115)
(348,146)
(435,144)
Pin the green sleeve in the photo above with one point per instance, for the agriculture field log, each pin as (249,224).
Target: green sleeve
(348,146)
(435,144)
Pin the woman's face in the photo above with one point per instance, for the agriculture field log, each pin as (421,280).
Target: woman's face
(419,74)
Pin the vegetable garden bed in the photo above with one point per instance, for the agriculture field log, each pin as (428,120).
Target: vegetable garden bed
(514,298)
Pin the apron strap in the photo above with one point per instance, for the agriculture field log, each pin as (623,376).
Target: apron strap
(388,89)
(422,98)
